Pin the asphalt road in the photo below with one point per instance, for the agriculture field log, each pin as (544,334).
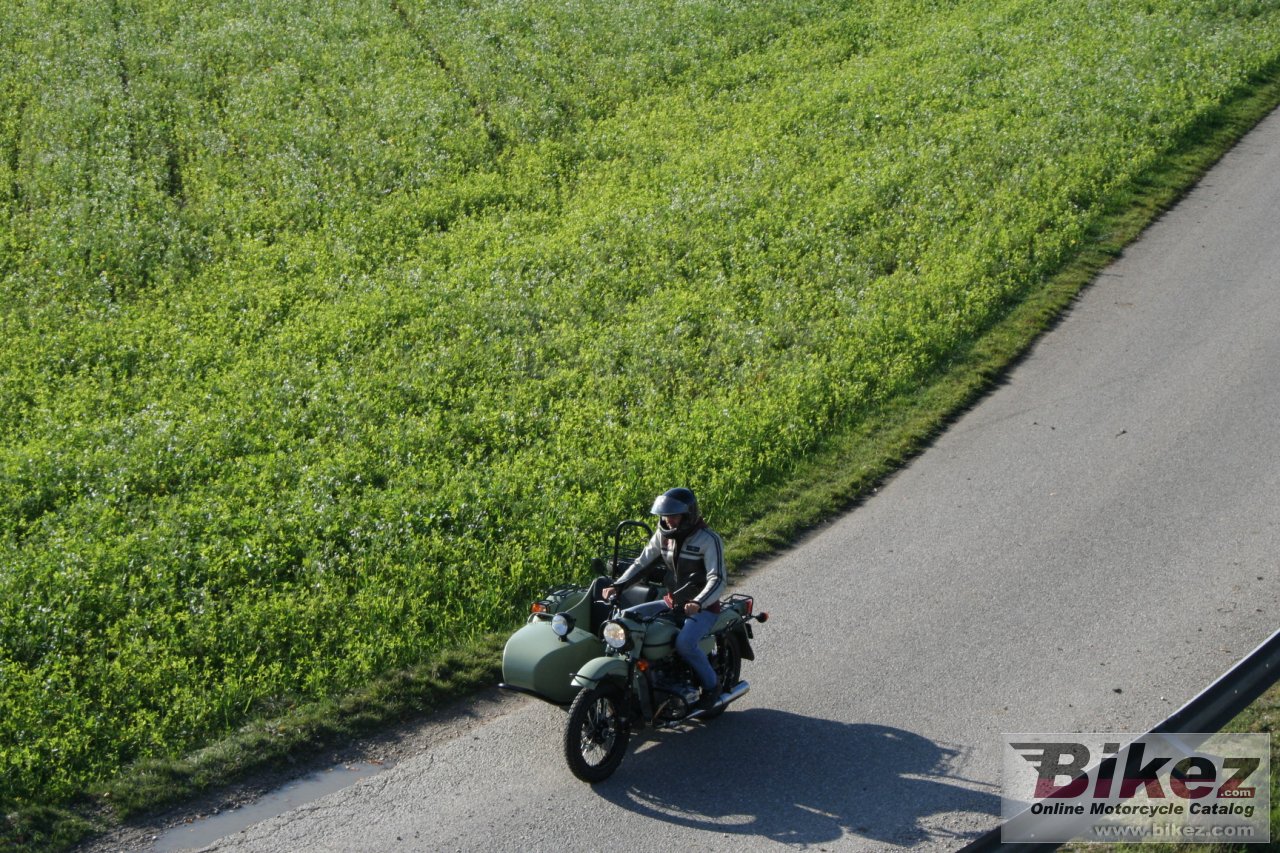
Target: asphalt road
(1083,551)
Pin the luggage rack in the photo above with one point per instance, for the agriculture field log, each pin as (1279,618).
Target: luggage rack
(545,607)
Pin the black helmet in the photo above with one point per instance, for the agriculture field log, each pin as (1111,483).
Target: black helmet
(681,502)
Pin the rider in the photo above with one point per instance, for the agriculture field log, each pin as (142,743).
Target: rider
(695,579)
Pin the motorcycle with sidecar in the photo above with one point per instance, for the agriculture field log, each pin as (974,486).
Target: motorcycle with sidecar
(614,666)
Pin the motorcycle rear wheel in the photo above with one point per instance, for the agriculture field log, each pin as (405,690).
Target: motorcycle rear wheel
(596,736)
(728,673)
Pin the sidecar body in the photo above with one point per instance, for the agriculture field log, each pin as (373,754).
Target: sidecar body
(540,662)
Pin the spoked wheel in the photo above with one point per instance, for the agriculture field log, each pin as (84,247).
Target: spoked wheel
(728,673)
(596,737)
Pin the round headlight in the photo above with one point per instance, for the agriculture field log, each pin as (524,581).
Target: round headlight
(562,624)
(615,635)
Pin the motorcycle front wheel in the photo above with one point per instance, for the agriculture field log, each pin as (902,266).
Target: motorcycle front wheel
(596,737)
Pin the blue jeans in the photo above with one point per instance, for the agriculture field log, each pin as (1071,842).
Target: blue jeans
(695,628)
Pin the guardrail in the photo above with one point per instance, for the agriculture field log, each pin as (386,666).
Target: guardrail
(1212,709)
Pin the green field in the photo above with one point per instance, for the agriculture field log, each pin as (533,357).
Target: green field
(331,331)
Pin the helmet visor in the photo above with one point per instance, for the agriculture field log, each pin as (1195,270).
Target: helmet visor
(669,505)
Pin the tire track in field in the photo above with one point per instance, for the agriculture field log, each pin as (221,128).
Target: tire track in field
(170,180)
(126,81)
(13,154)
(496,137)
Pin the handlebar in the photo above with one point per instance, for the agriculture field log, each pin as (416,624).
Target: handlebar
(617,610)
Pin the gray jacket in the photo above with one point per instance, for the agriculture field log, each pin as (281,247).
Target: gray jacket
(697,574)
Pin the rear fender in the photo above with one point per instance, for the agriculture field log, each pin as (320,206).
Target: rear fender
(744,644)
(731,624)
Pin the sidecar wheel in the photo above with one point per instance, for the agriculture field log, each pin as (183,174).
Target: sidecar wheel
(596,736)
(729,673)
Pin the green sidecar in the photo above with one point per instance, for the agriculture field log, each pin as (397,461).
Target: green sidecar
(542,663)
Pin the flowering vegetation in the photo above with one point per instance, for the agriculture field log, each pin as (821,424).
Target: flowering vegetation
(331,328)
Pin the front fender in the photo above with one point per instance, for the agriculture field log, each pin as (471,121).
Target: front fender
(599,670)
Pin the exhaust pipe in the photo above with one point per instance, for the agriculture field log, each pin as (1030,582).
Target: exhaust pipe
(740,690)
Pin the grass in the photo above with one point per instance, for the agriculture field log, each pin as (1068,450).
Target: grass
(846,471)
(273,741)
(324,438)
(852,464)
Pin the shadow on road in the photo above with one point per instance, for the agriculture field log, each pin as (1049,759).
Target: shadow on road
(800,780)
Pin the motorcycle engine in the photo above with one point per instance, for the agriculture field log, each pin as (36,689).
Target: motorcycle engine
(673,693)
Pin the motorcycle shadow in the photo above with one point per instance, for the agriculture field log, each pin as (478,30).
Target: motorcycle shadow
(802,780)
